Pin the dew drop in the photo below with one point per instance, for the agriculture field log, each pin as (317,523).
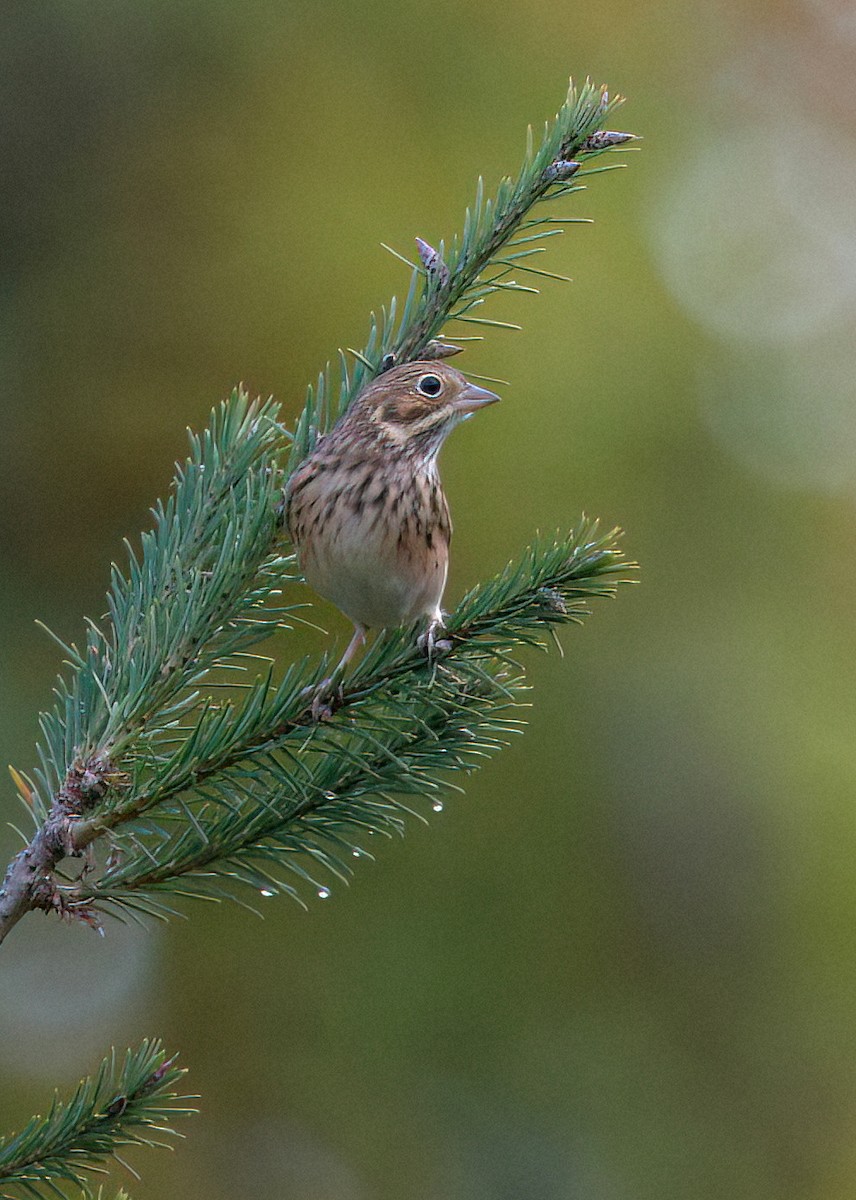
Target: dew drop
(437,806)
(323,893)
(267,892)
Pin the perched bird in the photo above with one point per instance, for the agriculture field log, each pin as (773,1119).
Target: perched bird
(366,510)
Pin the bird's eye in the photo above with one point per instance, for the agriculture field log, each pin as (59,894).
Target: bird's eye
(430,385)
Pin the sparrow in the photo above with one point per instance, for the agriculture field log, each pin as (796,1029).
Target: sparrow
(365,510)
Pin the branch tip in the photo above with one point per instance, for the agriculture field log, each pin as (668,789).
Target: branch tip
(432,261)
(440,349)
(605,139)
(561,170)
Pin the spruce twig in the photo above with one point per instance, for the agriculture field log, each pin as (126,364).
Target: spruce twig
(130,1102)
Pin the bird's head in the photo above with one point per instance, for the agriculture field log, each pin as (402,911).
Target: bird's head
(417,405)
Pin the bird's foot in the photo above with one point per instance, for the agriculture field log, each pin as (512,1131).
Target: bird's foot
(432,645)
(324,699)
(328,696)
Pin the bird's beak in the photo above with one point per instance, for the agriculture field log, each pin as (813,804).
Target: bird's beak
(473,398)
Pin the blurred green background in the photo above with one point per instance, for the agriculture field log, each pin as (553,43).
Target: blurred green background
(623,966)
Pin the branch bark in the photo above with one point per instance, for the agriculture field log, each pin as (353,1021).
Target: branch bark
(29,883)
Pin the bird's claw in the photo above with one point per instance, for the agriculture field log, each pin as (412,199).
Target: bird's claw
(430,644)
(324,698)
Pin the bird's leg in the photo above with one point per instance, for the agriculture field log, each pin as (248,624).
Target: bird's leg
(324,692)
(430,642)
(353,646)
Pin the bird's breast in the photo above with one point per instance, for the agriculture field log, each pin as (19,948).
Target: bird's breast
(377,546)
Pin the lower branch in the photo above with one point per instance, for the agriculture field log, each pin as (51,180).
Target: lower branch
(128,1102)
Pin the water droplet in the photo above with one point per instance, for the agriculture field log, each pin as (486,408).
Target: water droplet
(323,893)
(268,892)
(437,806)
(356,853)
(329,795)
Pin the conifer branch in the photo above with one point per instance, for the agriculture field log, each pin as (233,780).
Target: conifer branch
(172,742)
(128,1103)
(312,794)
